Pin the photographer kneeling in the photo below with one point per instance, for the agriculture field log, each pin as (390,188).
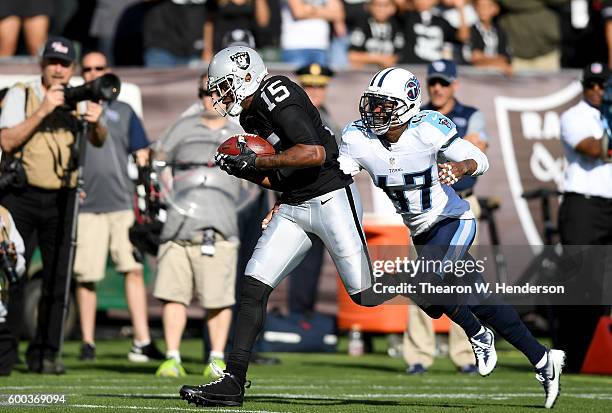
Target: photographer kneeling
(37,128)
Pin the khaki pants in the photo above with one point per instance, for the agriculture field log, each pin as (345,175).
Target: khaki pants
(420,338)
(548,62)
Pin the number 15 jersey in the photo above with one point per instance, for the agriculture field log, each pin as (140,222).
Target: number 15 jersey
(282,113)
(407,170)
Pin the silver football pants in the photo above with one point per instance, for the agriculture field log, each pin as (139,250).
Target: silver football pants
(335,218)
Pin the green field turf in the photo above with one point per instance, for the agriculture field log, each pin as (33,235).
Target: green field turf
(307,383)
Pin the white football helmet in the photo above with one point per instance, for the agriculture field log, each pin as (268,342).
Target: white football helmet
(234,74)
(391,99)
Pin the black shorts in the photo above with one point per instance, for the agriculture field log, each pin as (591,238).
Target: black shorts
(25,8)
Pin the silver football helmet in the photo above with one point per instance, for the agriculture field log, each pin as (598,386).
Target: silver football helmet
(391,99)
(234,74)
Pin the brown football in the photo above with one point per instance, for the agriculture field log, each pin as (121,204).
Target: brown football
(256,143)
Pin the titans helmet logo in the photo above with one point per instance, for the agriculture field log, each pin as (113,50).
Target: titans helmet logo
(412,89)
(242,60)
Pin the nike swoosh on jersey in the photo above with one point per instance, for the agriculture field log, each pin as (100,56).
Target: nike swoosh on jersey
(327,200)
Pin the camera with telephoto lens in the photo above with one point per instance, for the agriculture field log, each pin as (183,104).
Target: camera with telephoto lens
(106,87)
(12,175)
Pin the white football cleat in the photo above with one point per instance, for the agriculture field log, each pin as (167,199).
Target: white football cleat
(483,345)
(550,376)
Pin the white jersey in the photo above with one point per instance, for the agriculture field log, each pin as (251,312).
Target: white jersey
(584,175)
(407,170)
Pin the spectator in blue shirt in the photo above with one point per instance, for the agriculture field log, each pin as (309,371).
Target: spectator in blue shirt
(105,217)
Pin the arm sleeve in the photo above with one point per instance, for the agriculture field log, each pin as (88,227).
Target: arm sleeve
(137,134)
(296,126)
(476,124)
(461,150)
(13,112)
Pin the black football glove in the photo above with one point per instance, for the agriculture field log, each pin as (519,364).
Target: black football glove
(238,165)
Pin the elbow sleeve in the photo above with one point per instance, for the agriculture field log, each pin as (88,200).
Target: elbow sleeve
(482,161)
(461,150)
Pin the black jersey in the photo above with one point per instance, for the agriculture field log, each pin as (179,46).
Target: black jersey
(426,36)
(282,113)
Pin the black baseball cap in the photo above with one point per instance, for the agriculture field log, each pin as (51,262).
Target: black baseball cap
(595,71)
(59,48)
(314,74)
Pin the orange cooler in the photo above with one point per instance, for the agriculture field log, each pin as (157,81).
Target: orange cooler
(384,318)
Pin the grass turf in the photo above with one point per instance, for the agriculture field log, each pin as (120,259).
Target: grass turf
(306,383)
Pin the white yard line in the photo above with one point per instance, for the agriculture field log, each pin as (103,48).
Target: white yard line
(380,396)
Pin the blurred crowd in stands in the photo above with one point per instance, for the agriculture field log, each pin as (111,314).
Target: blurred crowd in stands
(508,35)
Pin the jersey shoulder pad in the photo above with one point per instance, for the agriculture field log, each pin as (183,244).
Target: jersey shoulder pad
(356,132)
(355,136)
(432,118)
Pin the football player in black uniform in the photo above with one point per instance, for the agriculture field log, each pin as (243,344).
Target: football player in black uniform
(316,200)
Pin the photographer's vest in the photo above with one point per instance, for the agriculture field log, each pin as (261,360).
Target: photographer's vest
(48,156)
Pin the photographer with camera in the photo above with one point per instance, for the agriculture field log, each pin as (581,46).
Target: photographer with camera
(12,267)
(105,217)
(38,128)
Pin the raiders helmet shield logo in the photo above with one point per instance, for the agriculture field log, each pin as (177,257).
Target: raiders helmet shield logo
(529,134)
(242,60)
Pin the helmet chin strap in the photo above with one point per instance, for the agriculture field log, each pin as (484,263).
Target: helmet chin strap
(235,109)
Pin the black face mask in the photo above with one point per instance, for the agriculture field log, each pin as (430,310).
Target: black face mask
(376,111)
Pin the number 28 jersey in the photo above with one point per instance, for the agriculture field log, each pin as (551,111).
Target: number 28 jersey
(282,113)
(407,170)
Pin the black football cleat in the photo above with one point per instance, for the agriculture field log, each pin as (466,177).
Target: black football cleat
(225,391)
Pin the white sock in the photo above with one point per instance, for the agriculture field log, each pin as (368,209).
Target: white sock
(173,354)
(142,343)
(482,330)
(542,361)
(216,355)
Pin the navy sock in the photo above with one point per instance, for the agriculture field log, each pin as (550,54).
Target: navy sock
(506,321)
(464,318)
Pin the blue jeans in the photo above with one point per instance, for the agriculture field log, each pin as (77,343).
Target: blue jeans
(338,52)
(303,57)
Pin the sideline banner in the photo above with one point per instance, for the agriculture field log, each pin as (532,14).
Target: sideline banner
(521,114)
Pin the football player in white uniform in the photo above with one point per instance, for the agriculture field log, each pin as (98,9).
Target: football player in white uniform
(414,156)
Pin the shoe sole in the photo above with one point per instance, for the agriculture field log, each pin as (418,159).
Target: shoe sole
(203,402)
(138,358)
(558,359)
